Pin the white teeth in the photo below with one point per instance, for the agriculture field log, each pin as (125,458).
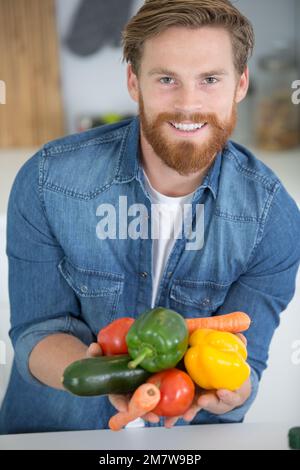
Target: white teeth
(187,127)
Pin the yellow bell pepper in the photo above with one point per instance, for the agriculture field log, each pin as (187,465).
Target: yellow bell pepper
(216,359)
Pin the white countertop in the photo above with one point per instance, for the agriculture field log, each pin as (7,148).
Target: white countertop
(252,436)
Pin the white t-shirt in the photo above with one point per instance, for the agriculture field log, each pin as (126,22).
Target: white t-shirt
(167,219)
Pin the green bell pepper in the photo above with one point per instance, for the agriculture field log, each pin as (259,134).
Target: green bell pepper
(157,340)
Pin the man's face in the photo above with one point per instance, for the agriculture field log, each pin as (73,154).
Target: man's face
(187,77)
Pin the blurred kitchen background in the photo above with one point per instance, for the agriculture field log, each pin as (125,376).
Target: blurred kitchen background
(61,63)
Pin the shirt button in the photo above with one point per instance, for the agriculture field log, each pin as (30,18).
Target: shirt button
(84,289)
(206,301)
(144,274)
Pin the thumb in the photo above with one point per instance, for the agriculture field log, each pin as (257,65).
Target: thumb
(242,337)
(120,402)
(94,350)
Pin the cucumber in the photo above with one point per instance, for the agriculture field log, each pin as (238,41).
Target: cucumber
(103,375)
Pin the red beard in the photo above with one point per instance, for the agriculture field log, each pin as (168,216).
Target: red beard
(189,155)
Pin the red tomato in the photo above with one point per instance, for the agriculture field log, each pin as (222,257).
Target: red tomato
(112,338)
(177,392)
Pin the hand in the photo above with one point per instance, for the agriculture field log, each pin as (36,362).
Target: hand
(216,402)
(94,350)
(120,402)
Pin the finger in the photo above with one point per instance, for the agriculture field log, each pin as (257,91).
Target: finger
(94,350)
(170,421)
(208,399)
(120,402)
(238,397)
(228,397)
(190,414)
(151,417)
(194,408)
(242,337)
(212,403)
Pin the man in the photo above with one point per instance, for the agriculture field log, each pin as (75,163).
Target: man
(72,272)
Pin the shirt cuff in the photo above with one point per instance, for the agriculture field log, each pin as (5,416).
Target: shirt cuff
(35,333)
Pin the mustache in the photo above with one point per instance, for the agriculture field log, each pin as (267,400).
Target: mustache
(209,118)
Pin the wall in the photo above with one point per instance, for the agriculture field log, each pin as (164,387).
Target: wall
(297,19)
(94,84)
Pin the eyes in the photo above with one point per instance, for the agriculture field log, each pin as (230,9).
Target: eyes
(161,80)
(206,81)
(211,80)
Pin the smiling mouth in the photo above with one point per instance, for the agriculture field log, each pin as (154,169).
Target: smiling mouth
(188,129)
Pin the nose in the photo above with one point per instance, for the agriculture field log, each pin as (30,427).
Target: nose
(188,100)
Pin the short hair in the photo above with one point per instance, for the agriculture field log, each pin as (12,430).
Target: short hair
(155,16)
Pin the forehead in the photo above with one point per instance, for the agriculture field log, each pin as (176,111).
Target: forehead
(209,46)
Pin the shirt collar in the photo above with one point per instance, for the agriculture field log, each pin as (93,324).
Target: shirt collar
(128,164)
(211,180)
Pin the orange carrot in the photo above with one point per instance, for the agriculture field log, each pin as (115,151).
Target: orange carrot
(233,322)
(144,399)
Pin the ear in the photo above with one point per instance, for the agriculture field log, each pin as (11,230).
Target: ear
(242,86)
(132,84)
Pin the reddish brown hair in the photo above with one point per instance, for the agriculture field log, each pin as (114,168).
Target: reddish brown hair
(155,16)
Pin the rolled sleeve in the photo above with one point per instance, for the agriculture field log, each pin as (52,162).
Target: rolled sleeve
(34,334)
(41,302)
(268,283)
(263,291)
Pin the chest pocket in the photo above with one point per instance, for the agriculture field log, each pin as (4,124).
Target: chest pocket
(98,293)
(197,298)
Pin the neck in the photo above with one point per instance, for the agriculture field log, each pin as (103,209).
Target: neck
(165,180)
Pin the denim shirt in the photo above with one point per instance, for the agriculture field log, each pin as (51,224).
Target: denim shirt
(64,278)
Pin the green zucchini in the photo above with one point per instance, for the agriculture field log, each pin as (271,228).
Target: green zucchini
(103,375)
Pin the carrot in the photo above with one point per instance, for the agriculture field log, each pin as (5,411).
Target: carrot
(144,399)
(233,322)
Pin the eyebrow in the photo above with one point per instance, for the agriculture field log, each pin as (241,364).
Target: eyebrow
(163,71)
